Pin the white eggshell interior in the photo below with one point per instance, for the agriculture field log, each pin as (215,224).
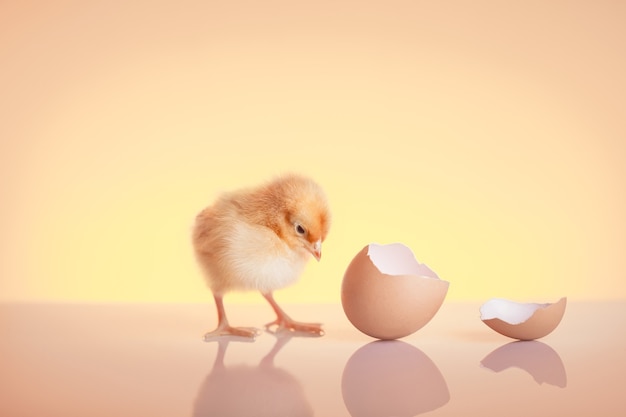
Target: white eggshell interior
(508,311)
(397,259)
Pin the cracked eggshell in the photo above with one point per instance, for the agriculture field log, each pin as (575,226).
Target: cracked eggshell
(387,294)
(523,321)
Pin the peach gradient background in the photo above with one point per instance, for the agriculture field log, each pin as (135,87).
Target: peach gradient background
(488,136)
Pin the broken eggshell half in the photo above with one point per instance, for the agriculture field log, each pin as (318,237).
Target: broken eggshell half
(523,321)
(387,294)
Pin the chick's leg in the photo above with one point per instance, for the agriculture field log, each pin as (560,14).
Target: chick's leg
(285,323)
(225,329)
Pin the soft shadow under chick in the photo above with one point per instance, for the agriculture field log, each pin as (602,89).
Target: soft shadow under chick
(260,239)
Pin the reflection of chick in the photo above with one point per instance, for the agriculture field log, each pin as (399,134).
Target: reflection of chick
(251,391)
(260,239)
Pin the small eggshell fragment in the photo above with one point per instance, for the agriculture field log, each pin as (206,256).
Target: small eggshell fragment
(523,321)
(387,294)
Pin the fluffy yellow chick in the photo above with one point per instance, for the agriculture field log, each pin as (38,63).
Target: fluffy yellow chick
(260,239)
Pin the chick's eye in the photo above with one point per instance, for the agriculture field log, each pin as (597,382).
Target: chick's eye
(300,230)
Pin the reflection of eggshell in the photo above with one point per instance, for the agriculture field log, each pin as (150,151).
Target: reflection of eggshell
(387,294)
(392,378)
(523,321)
(536,358)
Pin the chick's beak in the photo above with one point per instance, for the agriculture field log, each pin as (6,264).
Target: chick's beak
(316,250)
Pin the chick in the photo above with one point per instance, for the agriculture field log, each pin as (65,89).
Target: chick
(261,239)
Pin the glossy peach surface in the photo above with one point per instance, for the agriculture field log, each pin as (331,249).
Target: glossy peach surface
(150,360)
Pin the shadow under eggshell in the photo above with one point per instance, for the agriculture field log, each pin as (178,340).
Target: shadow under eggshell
(543,321)
(388,306)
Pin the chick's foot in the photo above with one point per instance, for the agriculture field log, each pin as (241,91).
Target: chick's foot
(296,328)
(240,333)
